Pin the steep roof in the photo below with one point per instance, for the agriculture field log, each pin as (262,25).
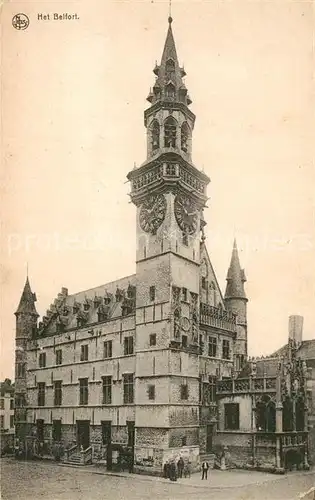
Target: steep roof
(235,277)
(108,299)
(27,301)
(169,73)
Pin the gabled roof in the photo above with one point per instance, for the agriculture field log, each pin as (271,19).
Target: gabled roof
(212,276)
(305,350)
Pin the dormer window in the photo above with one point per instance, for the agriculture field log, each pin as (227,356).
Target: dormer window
(170,91)
(170,69)
(155,135)
(170,133)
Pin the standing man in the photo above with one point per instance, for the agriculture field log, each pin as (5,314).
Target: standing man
(204,468)
(180,467)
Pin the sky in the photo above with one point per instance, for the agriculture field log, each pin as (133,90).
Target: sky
(73,96)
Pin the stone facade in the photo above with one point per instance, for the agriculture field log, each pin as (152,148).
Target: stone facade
(132,366)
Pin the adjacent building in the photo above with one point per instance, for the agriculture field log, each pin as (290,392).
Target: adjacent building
(6,414)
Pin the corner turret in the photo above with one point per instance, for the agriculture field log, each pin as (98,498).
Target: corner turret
(236,302)
(26,327)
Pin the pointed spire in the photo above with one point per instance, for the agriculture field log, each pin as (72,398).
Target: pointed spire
(169,84)
(27,301)
(235,277)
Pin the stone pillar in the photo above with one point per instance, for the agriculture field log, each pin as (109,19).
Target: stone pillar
(306,465)
(279,468)
(294,414)
(254,430)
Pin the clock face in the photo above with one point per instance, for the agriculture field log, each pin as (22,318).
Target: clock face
(186,214)
(152,213)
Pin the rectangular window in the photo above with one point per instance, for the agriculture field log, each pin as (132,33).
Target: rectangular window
(107,390)
(21,370)
(84,391)
(201,344)
(151,392)
(185,239)
(184,440)
(152,293)
(11,421)
(56,430)
(212,349)
(203,283)
(58,357)
(184,340)
(2,421)
(128,345)
(84,352)
(57,393)
(128,388)
(153,339)
(11,404)
(108,348)
(231,416)
(226,349)
(42,360)
(40,429)
(184,294)
(212,388)
(106,431)
(41,393)
(2,404)
(131,433)
(184,391)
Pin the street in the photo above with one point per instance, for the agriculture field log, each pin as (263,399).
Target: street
(50,481)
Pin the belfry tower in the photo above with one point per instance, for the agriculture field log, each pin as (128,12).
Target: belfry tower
(170,195)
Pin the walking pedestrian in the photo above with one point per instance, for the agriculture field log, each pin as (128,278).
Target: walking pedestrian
(204,468)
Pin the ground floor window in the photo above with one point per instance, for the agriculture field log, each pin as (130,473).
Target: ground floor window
(266,415)
(56,430)
(40,429)
(231,416)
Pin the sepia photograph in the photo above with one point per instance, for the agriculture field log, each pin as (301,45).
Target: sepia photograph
(157,250)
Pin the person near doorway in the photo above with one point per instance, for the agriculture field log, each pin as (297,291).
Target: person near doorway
(180,466)
(204,468)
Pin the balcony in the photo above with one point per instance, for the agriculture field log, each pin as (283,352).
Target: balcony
(246,385)
(217,317)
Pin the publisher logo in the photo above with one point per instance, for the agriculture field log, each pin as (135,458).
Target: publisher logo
(20,21)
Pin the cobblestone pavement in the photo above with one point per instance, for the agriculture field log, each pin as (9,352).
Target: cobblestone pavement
(49,481)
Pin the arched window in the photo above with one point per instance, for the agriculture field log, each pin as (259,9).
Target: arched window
(184,137)
(170,69)
(170,133)
(266,415)
(299,414)
(155,135)
(287,415)
(170,91)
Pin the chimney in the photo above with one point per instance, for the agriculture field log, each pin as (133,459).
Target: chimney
(296,328)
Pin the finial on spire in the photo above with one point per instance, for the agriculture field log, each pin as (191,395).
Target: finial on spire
(26,269)
(170,19)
